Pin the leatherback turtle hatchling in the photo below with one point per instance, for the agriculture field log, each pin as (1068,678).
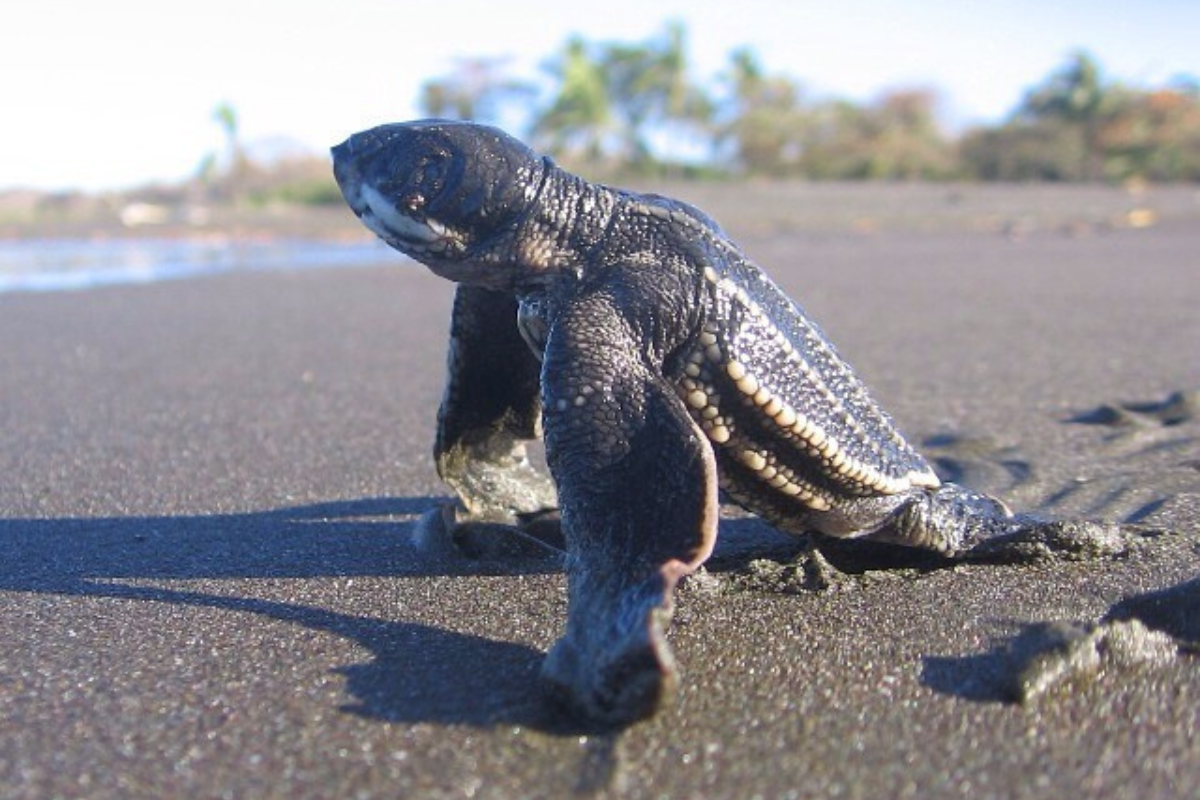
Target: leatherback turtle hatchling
(660,362)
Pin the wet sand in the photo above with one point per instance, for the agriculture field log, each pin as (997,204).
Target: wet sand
(207,587)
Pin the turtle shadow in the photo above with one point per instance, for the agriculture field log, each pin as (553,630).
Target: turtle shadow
(367,537)
(417,673)
(746,539)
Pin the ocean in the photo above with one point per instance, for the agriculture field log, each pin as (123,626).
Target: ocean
(51,265)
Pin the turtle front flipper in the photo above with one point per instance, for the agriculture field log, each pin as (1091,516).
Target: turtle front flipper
(490,409)
(638,496)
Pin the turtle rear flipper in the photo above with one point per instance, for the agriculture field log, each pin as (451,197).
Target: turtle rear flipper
(638,495)
(947,519)
(967,525)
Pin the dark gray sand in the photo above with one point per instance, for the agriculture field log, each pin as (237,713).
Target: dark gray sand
(207,490)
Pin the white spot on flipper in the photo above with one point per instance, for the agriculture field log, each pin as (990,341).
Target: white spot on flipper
(754,460)
(748,384)
(786,417)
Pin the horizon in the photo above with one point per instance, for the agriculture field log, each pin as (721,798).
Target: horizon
(129,100)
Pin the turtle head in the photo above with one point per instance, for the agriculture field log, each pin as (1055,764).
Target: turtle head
(448,194)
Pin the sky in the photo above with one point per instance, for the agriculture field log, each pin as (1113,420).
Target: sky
(109,94)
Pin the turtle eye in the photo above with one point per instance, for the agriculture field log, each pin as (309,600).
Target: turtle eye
(430,173)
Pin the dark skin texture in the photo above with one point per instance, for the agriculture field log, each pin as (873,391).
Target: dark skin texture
(663,363)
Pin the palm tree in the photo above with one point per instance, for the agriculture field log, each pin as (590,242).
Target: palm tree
(579,119)
(1075,96)
(651,89)
(476,89)
(226,116)
(763,121)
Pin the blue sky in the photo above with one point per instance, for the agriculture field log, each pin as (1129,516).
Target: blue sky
(110,94)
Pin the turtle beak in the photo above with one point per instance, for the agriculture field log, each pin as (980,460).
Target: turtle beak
(346,172)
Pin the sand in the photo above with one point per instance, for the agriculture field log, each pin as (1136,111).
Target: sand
(207,587)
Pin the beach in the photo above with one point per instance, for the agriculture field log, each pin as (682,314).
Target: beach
(208,586)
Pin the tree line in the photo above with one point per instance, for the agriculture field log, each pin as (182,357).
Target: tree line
(637,108)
